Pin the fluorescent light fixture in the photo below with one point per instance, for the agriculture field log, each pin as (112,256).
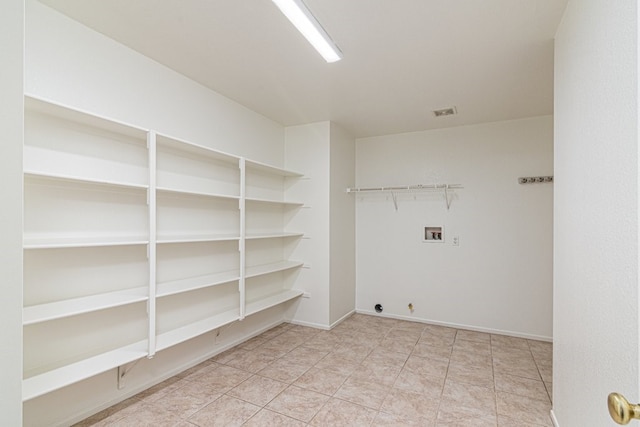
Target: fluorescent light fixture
(302,18)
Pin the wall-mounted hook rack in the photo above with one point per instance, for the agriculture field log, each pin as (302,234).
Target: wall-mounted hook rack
(534,179)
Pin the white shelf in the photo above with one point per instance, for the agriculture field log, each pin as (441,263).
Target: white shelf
(95,182)
(86,368)
(271,301)
(54,242)
(195,329)
(78,179)
(195,238)
(187,192)
(273,170)
(56,172)
(193,283)
(178,145)
(275,202)
(75,306)
(43,177)
(39,105)
(261,270)
(275,235)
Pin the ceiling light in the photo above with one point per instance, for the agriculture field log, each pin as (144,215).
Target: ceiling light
(302,18)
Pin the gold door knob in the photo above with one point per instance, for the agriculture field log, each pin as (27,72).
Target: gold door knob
(621,410)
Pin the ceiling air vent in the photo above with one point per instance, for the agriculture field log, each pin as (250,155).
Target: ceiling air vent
(445,112)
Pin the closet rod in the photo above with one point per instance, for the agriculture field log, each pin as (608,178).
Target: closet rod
(406,188)
(415,187)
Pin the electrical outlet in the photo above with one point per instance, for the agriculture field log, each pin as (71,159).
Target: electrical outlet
(456,241)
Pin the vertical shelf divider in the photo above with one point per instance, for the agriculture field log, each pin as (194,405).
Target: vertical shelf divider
(151,305)
(243,235)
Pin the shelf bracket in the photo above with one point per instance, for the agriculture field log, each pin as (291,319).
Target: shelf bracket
(123,370)
(446,196)
(219,332)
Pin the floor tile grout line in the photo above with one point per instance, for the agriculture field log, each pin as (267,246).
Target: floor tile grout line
(495,385)
(444,383)
(544,383)
(390,328)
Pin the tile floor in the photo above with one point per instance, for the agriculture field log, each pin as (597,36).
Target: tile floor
(368,371)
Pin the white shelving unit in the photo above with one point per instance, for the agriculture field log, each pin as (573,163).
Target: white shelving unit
(272,235)
(268,270)
(65,143)
(73,307)
(57,378)
(136,241)
(192,330)
(198,214)
(198,282)
(272,300)
(261,270)
(85,193)
(81,241)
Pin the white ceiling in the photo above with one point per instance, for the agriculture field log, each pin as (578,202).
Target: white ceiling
(492,59)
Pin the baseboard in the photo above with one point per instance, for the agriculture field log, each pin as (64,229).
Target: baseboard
(171,373)
(319,325)
(458,326)
(309,324)
(554,420)
(342,319)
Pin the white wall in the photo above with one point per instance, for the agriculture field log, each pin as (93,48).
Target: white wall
(70,64)
(307,150)
(342,225)
(11,119)
(596,210)
(500,276)
(326,154)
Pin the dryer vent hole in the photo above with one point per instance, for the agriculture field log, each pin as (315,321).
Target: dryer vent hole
(378,308)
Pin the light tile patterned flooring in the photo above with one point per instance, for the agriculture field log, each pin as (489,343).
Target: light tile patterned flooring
(368,371)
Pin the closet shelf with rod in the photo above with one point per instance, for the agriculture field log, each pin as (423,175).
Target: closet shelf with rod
(393,190)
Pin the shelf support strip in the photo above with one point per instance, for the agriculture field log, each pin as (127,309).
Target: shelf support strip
(151,304)
(243,235)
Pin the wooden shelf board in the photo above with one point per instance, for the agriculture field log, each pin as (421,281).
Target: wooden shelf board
(275,202)
(43,242)
(44,178)
(76,166)
(78,371)
(75,306)
(261,270)
(263,167)
(184,333)
(38,104)
(80,179)
(271,301)
(193,283)
(254,236)
(183,192)
(195,238)
(190,147)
